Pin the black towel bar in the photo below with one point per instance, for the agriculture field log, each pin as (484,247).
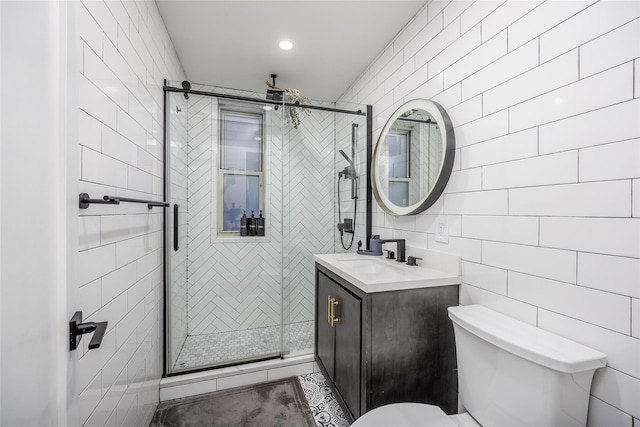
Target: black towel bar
(85,201)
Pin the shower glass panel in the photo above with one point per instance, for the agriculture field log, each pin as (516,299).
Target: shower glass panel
(230,298)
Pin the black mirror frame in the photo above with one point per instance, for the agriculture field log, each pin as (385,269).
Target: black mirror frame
(443,120)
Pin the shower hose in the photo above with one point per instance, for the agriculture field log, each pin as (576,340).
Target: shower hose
(355,209)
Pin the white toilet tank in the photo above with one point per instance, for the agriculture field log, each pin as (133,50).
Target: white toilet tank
(513,374)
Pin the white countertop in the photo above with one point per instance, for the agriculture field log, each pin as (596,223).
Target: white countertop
(378,274)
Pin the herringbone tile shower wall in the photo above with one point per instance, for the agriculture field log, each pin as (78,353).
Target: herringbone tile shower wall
(309,181)
(237,283)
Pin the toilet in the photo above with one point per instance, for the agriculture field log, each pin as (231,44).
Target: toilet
(509,374)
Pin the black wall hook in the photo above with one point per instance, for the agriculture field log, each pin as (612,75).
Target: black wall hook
(77,329)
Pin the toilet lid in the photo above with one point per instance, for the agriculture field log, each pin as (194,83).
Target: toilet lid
(405,415)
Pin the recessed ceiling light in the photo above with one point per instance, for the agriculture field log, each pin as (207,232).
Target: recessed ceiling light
(285,45)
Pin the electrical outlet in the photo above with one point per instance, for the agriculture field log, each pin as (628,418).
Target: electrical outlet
(442,230)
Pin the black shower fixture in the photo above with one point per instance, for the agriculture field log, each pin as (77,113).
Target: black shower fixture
(274,94)
(187,86)
(350,171)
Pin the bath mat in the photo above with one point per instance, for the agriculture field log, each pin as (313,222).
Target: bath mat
(276,403)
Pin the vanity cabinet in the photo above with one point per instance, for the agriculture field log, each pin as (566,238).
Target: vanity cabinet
(385,347)
(339,340)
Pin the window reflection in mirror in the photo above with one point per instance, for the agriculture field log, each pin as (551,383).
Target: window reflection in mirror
(413,158)
(399,167)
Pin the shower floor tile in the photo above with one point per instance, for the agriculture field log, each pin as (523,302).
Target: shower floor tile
(210,349)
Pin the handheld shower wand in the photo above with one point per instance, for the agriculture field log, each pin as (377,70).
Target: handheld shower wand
(347,158)
(350,171)
(348,226)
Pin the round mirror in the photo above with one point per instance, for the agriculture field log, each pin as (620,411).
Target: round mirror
(413,158)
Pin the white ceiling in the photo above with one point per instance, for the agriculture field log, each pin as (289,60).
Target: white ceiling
(235,43)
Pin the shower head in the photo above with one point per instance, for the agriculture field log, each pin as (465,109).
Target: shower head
(347,158)
(350,171)
(274,93)
(187,86)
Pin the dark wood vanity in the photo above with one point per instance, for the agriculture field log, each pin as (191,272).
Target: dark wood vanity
(385,347)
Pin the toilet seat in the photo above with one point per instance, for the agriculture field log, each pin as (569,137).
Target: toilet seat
(405,415)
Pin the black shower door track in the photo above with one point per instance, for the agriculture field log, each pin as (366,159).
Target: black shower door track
(261,101)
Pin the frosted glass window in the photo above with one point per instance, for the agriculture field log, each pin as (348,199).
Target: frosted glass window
(241,141)
(240,193)
(399,193)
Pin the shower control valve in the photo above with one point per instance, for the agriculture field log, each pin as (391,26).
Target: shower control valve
(346,226)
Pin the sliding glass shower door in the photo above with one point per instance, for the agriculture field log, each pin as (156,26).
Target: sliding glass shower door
(225,280)
(252,199)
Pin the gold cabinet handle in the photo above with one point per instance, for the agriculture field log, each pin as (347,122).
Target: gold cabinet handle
(331,300)
(334,319)
(328,308)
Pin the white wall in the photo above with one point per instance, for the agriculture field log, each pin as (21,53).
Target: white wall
(544,201)
(125,53)
(33,167)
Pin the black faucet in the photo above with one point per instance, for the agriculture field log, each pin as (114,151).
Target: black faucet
(400,250)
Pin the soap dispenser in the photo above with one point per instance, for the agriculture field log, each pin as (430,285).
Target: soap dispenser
(243,224)
(252,225)
(375,247)
(374,244)
(260,225)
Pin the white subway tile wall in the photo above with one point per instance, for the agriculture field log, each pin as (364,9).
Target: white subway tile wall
(544,200)
(583,130)
(635,316)
(483,276)
(635,198)
(603,199)
(125,53)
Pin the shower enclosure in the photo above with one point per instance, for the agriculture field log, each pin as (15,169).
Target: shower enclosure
(236,293)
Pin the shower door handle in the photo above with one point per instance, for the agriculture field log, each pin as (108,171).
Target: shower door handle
(175,227)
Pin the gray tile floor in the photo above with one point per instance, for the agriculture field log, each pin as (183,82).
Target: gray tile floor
(223,347)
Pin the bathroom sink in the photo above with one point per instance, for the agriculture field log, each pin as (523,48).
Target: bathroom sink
(378,274)
(368,266)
